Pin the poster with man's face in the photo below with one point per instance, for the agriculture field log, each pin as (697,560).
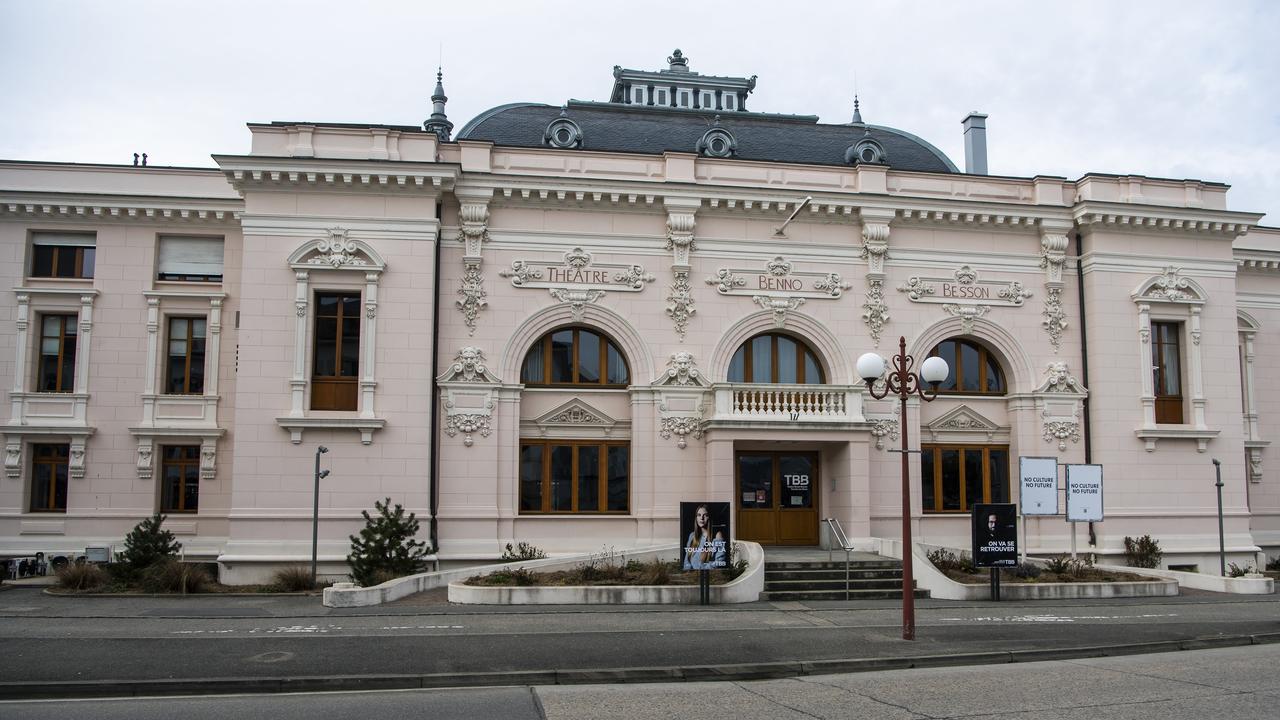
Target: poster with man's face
(704,535)
(995,535)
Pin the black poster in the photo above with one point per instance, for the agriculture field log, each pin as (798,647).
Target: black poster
(995,535)
(704,535)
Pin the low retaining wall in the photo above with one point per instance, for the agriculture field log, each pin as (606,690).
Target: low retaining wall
(744,588)
(1258,585)
(941,587)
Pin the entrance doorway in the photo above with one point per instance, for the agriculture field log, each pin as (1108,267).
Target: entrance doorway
(777,497)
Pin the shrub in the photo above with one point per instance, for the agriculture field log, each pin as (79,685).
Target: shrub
(1144,552)
(1026,571)
(1236,571)
(656,572)
(634,566)
(518,576)
(522,551)
(1066,565)
(1274,563)
(295,578)
(171,575)
(81,576)
(386,544)
(945,560)
(147,544)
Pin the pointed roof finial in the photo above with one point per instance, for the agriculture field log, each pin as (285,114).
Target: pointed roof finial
(439,123)
(857,113)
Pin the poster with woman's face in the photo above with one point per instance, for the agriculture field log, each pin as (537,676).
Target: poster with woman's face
(704,535)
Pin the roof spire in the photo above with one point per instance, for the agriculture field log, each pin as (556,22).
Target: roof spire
(857,113)
(439,123)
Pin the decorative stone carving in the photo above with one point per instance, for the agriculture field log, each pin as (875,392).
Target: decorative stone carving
(13,459)
(1055,318)
(1059,380)
(1015,293)
(680,233)
(875,245)
(964,285)
(1254,458)
(75,463)
(1062,430)
(680,302)
(521,273)
(634,277)
(779,306)
(778,267)
(577,258)
(467,424)
(916,288)
(875,312)
(681,427)
(1170,287)
(576,299)
(574,419)
(725,281)
(833,284)
(681,372)
(965,275)
(1053,256)
(472,296)
(143,463)
(964,424)
(882,427)
(474,230)
(208,462)
(468,366)
(576,416)
(337,251)
(967,314)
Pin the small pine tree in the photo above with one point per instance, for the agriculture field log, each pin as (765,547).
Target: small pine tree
(386,545)
(148,543)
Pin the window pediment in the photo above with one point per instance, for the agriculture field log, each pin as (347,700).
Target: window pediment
(575,419)
(1170,287)
(964,424)
(336,252)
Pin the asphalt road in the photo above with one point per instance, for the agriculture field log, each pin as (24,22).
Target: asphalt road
(1235,683)
(59,639)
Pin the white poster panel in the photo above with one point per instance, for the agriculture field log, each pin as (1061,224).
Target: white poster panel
(1084,493)
(1038,483)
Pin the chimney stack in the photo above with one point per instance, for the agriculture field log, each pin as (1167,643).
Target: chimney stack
(975,143)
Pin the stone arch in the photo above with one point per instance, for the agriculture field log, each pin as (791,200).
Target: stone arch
(639,359)
(1246,322)
(1012,356)
(820,339)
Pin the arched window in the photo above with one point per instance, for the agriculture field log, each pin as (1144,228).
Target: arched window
(974,369)
(575,356)
(775,358)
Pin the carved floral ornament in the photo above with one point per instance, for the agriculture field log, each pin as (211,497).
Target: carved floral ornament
(964,286)
(1170,287)
(779,278)
(337,251)
(577,271)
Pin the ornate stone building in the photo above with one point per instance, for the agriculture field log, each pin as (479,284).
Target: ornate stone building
(557,323)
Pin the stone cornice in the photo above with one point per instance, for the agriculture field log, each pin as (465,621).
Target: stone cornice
(291,173)
(1257,260)
(1148,218)
(98,208)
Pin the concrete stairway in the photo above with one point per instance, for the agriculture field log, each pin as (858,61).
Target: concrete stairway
(878,579)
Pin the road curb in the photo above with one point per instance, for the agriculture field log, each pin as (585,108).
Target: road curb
(699,673)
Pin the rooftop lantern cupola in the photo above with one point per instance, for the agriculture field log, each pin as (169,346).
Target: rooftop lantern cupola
(679,88)
(439,123)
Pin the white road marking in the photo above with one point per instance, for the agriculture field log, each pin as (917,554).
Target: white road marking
(1052,618)
(308,629)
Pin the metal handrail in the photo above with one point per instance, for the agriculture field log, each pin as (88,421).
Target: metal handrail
(838,533)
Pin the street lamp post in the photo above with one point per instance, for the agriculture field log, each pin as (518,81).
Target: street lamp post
(315,511)
(902,382)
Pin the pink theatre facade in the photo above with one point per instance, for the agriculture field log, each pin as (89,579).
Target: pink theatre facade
(559,343)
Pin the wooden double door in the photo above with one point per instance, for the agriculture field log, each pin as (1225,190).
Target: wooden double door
(777,497)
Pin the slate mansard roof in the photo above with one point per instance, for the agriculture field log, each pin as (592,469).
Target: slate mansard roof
(610,127)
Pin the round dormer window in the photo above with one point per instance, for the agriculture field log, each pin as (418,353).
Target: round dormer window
(563,133)
(717,142)
(866,151)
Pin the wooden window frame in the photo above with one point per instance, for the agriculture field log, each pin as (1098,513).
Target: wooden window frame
(337,392)
(985,359)
(748,369)
(936,450)
(186,369)
(78,273)
(63,459)
(543,345)
(187,464)
(1170,408)
(602,492)
(62,383)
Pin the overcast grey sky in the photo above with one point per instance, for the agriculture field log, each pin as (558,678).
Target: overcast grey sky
(1164,89)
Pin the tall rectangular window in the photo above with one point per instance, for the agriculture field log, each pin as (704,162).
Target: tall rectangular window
(62,255)
(184,371)
(954,477)
(193,259)
(57,368)
(180,478)
(336,359)
(49,465)
(1166,365)
(574,476)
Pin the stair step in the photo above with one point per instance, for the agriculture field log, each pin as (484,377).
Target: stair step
(784,595)
(853,565)
(772,585)
(832,574)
